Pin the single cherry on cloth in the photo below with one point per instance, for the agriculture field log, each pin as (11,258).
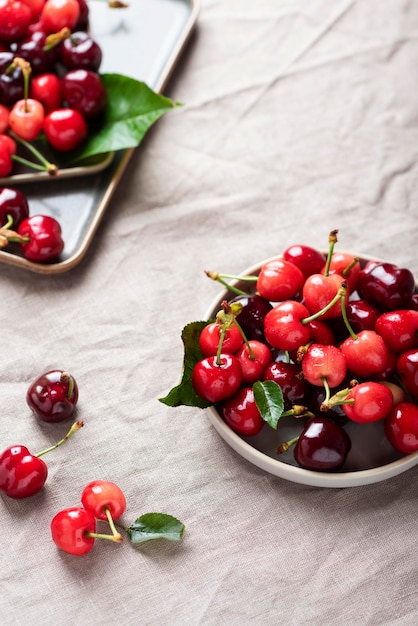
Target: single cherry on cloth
(104,498)
(401,427)
(13,204)
(72,530)
(44,236)
(53,395)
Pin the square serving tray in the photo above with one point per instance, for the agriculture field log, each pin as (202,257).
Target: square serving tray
(144,41)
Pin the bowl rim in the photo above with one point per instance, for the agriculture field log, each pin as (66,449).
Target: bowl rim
(284,470)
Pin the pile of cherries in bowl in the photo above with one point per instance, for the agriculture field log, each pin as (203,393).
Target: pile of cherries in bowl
(336,334)
(49,81)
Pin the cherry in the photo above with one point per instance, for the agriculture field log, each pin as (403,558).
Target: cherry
(316,405)
(399,329)
(82,22)
(319,291)
(6,163)
(345,265)
(401,427)
(53,396)
(307,259)
(368,402)
(65,129)
(254,357)
(4,118)
(324,365)
(45,242)
(35,7)
(26,118)
(361,315)
(34,49)
(210,337)
(83,91)
(283,326)
(73,530)
(241,413)
(15,17)
(58,14)
(14,204)
(11,82)
(47,89)
(386,286)
(22,474)
(104,500)
(365,353)
(321,332)
(295,388)
(407,369)
(215,379)
(322,446)
(79,50)
(279,280)
(251,318)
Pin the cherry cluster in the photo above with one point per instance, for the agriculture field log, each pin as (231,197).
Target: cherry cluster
(337,335)
(39,237)
(49,81)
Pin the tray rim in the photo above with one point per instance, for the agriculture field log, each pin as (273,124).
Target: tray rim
(63,266)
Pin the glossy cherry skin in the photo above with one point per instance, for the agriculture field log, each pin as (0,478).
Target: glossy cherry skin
(100,495)
(253,364)
(251,319)
(53,396)
(323,446)
(65,129)
(321,362)
(83,91)
(210,337)
(295,388)
(283,327)
(22,474)
(6,163)
(241,413)
(15,17)
(214,382)
(319,290)
(81,51)
(407,369)
(33,49)
(361,315)
(26,118)
(347,266)
(308,260)
(46,88)
(372,402)
(58,14)
(279,280)
(69,528)
(387,286)
(399,329)
(11,84)
(45,240)
(13,203)
(315,402)
(366,354)
(4,118)
(401,427)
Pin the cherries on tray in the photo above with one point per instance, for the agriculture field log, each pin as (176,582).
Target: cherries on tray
(325,339)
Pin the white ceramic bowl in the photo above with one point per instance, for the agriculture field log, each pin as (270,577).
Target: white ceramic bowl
(371,459)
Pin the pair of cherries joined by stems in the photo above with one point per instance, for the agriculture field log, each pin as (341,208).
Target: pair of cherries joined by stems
(339,338)
(39,236)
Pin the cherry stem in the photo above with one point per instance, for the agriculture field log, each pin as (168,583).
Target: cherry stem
(116,538)
(345,318)
(26,71)
(340,397)
(51,168)
(341,293)
(76,426)
(298,410)
(67,378)
(218,278)
(346,271)
(332,240)
(115,532)
(327,389)
(247,343)
(9,222)
(284,447)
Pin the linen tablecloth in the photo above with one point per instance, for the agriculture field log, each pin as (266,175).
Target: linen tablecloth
(298,117)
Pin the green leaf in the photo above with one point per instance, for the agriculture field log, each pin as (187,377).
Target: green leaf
(155,526)
(184,393)
(132,108)
(269,400)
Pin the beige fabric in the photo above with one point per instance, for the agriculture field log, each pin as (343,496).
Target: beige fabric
(299,117)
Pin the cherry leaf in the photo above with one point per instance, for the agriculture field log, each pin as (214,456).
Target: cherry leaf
(184,393)
(155,526)
(269,400)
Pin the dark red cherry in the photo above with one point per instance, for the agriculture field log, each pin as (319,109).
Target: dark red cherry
(33,49)
(387,286)
(13,203)
(81,51)
(22,474)
(83,91)
(53,396)
(323,446)
(251,318)
(295,388)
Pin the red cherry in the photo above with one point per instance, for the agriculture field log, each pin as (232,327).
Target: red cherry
(288,376)
(399,329)
(319,291)
(65,129)
(53,396)
(59,14)
(307,259)
(6,163)
(22,474)
(371,402)
(347,266)
(101,496)
(210,337)
(46,88)
(279,280)
(26,118)
(4,118)
(241,413)
(14,204)
(401,427)
(15,17)
(324,362)
(253,364)
(45,240)
(407,369)
(283,326)
(366,354)
(215,381)
(70,528)
(321,332)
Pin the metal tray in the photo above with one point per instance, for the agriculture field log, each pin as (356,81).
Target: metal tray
(144,41)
